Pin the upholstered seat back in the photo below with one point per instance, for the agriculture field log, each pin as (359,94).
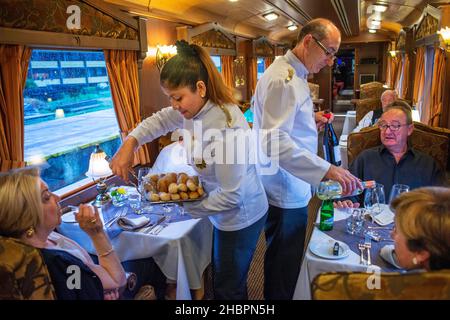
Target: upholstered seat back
(371,90)
(363,106)
(435,145)
(436,130)
(23,273)
(434,285)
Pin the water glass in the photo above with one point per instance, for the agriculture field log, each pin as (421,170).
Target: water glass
(355,221)
(134,200)
(374,199)
(396,190)
(142,173)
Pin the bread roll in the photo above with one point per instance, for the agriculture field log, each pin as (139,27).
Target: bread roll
(173,188)
(164,196)
(195,179)
(154,196)
(154,178)
(182,178)
(184,196)
(175,196)
(151,186)
(193,195)
(200,191)
(191,185)
(171,178)
(163,185)
(182,187)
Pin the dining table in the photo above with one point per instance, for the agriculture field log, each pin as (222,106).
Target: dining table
(318,260)
(181,247)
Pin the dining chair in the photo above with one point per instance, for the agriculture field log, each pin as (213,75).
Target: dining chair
(432,285)
(23,273)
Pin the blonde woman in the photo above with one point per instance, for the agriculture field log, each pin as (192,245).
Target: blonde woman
(422,228)
(30,212)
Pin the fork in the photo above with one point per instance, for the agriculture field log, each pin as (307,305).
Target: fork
(361,248)
(368,245)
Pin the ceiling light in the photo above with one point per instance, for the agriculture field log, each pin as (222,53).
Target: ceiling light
(372,31)
(233,0)
(380,7)
(292,27)
(270,16)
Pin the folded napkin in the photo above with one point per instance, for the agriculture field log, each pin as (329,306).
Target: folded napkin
(388,255)
(385,217)
(127,223)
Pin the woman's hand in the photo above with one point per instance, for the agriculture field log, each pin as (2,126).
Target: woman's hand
(89,219)
(346,204)
(123,159)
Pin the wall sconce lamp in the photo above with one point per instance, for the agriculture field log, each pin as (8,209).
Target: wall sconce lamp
(445,34)
(99,169)
(164,53)
(393,53)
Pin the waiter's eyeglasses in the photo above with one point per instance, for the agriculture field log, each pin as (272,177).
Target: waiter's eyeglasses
(328,52)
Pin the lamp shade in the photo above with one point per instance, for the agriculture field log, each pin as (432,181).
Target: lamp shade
(98,166)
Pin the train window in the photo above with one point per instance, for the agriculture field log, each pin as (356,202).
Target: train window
(67,110)
(260,67)
(217,62)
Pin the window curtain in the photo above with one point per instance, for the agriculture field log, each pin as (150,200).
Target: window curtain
(419,77)
(267,62)
(405,78)
(399,74)
(437,88)
(393,72)
(123,78)
(252,74)
(227,70)
(14,62)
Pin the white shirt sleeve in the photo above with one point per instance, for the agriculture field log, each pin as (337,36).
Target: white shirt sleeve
(278,116)
(160,123)
(366,121)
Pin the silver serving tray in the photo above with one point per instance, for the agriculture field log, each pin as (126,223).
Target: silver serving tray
(175,201)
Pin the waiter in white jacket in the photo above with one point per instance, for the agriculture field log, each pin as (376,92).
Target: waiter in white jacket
(236,204)
(283,107)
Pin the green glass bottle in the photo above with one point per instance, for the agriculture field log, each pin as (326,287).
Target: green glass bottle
(326,215)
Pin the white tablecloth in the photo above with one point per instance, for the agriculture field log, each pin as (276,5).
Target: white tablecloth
(349,122)
(182,250)
(313,265)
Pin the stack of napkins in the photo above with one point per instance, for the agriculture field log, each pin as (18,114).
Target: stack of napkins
(128,224)
(385,217)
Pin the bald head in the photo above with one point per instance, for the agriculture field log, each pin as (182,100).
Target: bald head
(388,97)
(320,28)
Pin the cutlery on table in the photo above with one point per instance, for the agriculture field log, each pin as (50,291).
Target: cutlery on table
(368,245)
(121,213)
(361,248)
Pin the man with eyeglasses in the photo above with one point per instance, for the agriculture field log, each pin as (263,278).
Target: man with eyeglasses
(394,162)
(283,112)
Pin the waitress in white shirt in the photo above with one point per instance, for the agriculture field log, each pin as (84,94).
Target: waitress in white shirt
(236,203)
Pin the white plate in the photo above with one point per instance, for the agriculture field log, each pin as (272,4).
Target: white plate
(69,217)
(324,249)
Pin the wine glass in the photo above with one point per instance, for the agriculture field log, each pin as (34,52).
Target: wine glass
(396,190)
(142,176)
(374,199)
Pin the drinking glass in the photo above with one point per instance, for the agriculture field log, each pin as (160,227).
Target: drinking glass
(355,221)
(374,199)
(396,190)
(142,174)
(134,200)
